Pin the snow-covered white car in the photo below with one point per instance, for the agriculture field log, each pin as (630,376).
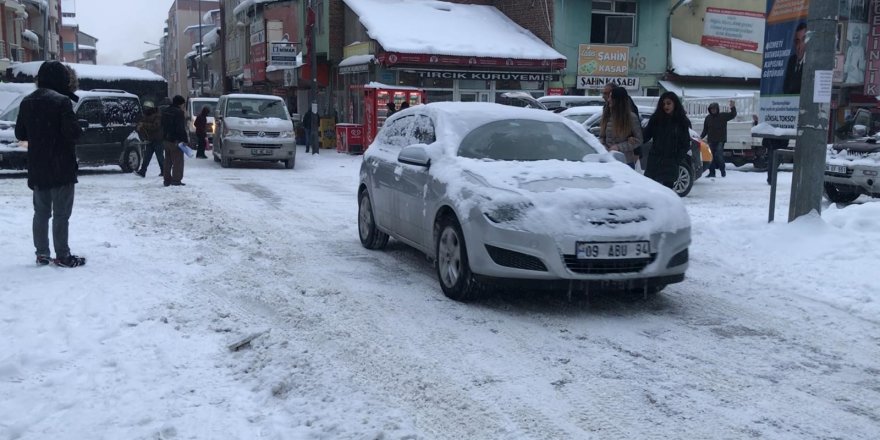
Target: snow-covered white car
(494,192)
(852,168)
(581,113)
(253,128)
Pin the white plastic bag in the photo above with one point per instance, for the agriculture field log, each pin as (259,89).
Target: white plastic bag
(186,149)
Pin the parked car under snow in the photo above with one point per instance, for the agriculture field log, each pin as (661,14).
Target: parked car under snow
(852,168)
(494,192)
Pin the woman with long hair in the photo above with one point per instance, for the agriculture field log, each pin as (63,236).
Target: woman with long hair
(201,125)
(621,130)
(669,127)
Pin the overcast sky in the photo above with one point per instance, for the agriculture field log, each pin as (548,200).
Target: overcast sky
(122,26)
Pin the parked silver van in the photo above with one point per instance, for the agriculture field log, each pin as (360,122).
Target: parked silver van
(253,128)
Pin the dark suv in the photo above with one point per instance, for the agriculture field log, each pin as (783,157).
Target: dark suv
(108,119)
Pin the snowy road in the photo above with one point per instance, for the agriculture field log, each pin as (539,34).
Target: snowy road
(774,334)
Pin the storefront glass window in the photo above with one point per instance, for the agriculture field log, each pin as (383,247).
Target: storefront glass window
(474,84)
(438,95)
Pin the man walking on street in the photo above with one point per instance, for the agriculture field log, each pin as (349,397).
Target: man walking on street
(307,127)
(174,132)
(47,122)
(715,134)
(150,129)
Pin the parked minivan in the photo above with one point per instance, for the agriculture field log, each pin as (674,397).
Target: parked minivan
(193,108)
(253,128)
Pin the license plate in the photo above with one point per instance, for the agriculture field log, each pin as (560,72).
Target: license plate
(613,250)
(839,169)
(261,152)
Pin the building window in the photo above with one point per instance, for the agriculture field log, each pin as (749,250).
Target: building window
(614,22)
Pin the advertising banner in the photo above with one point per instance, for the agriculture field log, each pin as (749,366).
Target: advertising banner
(597,63)
(872,66)
(784,52)
(733,29)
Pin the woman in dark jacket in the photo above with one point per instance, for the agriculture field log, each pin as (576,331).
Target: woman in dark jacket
(201,125)
(669,128)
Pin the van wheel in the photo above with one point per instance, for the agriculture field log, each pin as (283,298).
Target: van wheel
(225,161)
(738,161)
(131,158)
(289,164)
(841,193)
(685,179)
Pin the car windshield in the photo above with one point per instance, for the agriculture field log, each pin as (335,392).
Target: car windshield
(524,140)
(255,108)
(196,107)
(592,120)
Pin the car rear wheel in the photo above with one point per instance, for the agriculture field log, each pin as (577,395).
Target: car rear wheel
(371,236)
(685,179)
(131,158)
(841,193)
(453,268)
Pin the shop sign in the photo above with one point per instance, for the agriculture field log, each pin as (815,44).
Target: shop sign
(282,53)
(486,76)
(555,91)
(258,37)
(872,72)
(357,68)
(598,82)
(258,66)
(733,29)
(393,58)
(602,61)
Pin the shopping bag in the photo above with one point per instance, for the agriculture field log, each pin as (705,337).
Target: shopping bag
(186,149)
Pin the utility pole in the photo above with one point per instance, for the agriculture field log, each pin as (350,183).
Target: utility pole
(313,61)
(813,120)
(199,63)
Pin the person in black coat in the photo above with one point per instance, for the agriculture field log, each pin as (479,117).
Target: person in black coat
(669,127)
(174,132)
(47,122)
(715,133)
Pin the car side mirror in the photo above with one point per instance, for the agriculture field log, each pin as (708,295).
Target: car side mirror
(84,124)
(618,156)
(414,155)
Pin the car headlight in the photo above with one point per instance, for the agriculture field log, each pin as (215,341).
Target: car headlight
(286,134)
(232,132)
(507,212)
(209,128)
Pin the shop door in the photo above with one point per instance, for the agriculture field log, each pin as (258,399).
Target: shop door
(475,96)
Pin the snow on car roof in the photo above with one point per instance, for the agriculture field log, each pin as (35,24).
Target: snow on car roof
(582,110)
(252,96)
(91,71)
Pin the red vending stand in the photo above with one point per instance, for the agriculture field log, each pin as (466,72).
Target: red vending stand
(376,97)
(349,138)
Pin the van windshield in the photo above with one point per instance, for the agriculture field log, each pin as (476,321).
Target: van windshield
(195,107)
(255,108)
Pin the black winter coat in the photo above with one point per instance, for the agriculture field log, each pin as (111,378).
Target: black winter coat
(174,125)
(47,122)
(715,126)
(671,144)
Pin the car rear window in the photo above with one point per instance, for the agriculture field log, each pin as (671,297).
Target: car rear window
(524,140)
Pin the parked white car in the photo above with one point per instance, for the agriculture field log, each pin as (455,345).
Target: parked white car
(494,192)
(253,128)
(194,107)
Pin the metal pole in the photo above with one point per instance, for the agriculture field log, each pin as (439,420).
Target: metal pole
(199,63)
(313,60)
(809,156)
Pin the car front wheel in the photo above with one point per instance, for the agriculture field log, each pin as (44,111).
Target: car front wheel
(371,237)
(841,193)
(685,179)
(131,158)
(453,268)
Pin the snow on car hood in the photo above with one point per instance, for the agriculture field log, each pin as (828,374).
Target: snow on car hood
(562,197)
(853,153)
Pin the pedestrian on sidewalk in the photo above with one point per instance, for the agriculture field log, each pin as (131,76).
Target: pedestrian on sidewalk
(715,134)
(150,130)
(307,121)
(623,130)
(174,133)
(669,127)
(201,125)
(47,122)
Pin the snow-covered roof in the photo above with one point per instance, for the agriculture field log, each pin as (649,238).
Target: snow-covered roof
(86,47)
(355,60)
(69,22)
(378,85)
(706,90)
(93,71)
(693,60)
(43,4)
(207,16)
(437,27)
(28,34)
(249,3)
(210,39)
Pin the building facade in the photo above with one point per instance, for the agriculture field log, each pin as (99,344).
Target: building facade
(178,43)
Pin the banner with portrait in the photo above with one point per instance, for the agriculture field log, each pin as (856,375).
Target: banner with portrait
(784,53)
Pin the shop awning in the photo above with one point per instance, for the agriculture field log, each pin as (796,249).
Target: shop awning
(698,90)
(356,64)
(696,61)
(439,28)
